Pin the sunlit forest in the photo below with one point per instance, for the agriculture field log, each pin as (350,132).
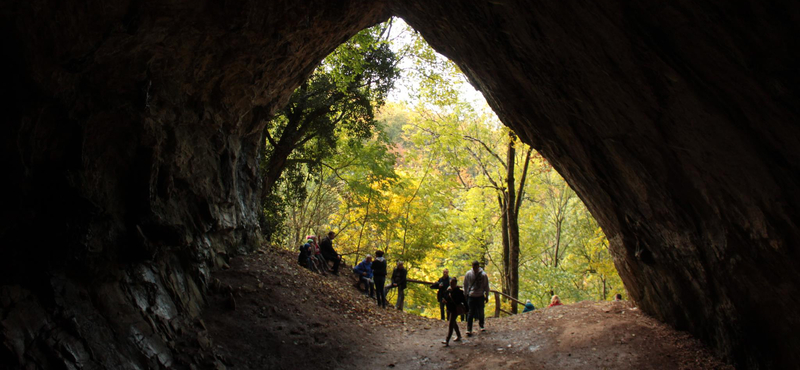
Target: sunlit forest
(390,146)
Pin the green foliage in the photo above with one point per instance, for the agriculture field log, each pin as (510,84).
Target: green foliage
(337,102)
(420,180)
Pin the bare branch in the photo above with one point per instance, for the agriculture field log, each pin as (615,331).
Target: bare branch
(335,172)
(470,138)
(483,168)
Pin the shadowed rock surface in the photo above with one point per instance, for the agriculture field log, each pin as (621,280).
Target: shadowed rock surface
(131,137)
(132,132)
(677,125)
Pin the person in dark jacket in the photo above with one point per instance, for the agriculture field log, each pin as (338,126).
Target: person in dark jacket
(326,247)
(304,258)
(399,281)
(442,284)
(364,272)
(528,306)
(379,276)
(456,305)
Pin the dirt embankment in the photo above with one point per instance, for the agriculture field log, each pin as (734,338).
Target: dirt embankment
(270,313)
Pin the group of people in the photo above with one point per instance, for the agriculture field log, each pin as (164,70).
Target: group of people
(372,273)
(453,301)
(315,256)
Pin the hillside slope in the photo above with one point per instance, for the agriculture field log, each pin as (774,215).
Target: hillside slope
(270,313)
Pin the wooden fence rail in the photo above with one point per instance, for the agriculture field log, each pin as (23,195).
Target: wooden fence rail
(497,295)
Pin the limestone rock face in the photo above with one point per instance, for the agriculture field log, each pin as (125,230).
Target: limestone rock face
(132,132)
(677,124)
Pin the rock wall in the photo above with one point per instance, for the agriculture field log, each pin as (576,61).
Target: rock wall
(131,144)
(676,123)
(132,131)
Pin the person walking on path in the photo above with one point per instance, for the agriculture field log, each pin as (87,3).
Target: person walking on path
(399,276)
(476,285)
(455,302)
(442,284)
(326,247)
(379,276)
(364,272)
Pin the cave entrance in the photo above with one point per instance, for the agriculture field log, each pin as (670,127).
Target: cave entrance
(392,148)
(133,137)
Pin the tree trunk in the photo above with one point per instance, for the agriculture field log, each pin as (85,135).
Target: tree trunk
(559,221)
(501,200)
(513,224)
(274,166)
(292,137)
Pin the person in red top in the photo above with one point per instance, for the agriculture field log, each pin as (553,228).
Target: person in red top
(316,254)
(555,301)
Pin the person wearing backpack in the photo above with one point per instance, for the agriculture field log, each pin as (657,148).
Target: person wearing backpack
(476,287)
(455,302)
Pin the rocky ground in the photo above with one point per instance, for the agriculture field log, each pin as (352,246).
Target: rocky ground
(269,313)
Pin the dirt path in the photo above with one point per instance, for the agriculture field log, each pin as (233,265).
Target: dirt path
(585,335)
(286,317)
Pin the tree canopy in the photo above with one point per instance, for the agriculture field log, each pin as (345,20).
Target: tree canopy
(336,104)
(433,179)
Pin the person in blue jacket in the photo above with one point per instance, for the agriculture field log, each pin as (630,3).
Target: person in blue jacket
(364,272)
(528,306)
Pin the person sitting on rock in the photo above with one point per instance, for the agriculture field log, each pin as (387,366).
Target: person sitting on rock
(316,254)
(617,297)
(304,258)
(326,247)
(555,301)
(456,302)
(528,306)
(364,272)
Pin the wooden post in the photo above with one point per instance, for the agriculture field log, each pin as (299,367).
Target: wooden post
(496,304)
